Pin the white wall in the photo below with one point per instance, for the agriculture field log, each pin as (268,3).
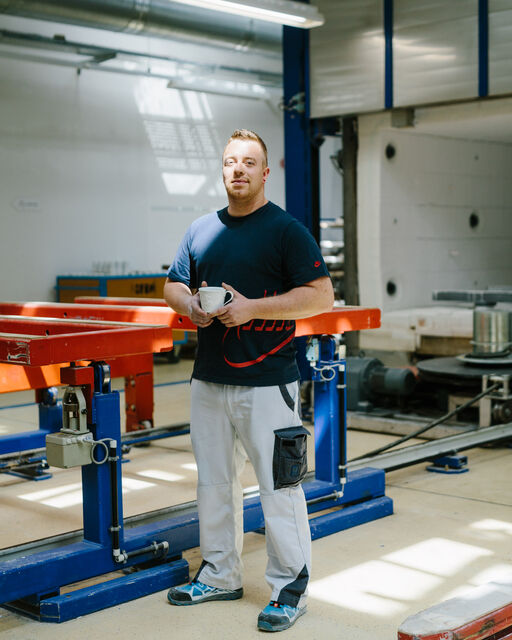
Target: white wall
(414,215)
(82,164)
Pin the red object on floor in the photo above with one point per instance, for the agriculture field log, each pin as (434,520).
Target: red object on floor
(485,613)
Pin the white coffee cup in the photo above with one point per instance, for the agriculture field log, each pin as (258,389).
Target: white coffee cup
(212,298)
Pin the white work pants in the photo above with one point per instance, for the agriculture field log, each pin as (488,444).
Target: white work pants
(225,420)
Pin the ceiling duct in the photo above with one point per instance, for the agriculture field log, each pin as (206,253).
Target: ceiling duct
(160,18)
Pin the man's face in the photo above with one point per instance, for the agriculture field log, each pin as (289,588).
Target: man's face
(244,171)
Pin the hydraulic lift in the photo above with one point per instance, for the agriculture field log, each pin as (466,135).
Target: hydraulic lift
(32,576)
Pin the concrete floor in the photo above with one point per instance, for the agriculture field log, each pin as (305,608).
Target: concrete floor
(448,534)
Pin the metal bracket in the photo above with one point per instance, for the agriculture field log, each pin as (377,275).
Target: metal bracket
(297,103)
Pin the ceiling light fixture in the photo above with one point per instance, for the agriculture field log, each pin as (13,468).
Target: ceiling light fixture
(285,12)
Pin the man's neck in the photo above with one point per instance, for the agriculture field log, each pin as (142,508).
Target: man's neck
(239,209)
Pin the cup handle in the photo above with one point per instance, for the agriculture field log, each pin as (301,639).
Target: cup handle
(230,293)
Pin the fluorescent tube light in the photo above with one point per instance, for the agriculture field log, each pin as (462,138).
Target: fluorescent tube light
(286,12)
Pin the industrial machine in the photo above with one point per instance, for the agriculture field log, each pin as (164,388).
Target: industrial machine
(32,576)
(22,454)
(473,390)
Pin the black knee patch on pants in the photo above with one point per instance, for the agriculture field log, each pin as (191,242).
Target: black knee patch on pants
(291,594)
(290,462)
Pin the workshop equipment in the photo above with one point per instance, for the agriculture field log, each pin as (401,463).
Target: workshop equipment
(137,370)
(492,328)
(32,580)
(484,613)
(491,355)
(369,380)
(135,285)
(472,384)
(443,383)
(179,338)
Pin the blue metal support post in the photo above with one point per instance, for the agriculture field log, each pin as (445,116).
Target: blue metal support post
(360,496)
(31,583)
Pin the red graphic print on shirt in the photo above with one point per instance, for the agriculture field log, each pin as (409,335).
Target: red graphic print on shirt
(283,329)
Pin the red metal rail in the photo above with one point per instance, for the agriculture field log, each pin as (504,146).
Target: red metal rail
(45,341)
(56,333)
(339,320)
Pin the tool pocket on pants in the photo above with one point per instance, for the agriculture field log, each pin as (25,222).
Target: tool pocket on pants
(290,463)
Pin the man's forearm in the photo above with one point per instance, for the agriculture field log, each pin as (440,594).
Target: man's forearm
(301,302)
(178,295)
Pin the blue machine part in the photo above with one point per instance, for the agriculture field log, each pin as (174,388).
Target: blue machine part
(89,599)
(36,579)
(50,420)
(449,464)
(27,467)
(32,467)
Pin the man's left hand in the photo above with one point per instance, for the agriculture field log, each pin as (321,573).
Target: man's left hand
(236,312)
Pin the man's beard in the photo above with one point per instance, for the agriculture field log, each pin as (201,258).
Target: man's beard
(238,194)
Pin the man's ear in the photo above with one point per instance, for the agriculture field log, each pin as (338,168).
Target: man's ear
(266,171)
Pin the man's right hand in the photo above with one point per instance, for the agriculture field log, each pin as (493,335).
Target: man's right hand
(196,314)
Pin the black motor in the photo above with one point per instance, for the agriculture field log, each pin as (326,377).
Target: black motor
(368,378)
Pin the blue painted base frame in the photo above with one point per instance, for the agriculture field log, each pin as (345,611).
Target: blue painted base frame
(35,580)
(363,501)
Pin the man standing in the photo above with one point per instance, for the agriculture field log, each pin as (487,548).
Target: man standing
(244,389)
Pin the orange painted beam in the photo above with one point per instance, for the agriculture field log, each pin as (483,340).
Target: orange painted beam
(339,320)
(16,377)
(40,341)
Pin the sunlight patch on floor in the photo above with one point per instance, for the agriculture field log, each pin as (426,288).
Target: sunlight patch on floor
(70,495)
(387,586)
(375,587)
(493,526)
(437,556)
(158,474)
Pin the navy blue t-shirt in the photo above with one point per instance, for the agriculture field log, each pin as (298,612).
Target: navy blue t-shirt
(263,254)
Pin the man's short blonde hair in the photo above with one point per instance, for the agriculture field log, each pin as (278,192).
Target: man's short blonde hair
(246,134)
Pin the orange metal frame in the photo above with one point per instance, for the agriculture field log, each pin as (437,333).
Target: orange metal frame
(53,334)
(34,351)
(339,320)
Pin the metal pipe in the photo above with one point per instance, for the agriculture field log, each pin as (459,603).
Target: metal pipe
(351,277)
(427,427)
(413,454)
(154,547)
(113,459)
(151,18)
(99,54)
(331,496)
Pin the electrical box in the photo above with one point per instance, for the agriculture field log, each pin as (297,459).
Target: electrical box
(66,450)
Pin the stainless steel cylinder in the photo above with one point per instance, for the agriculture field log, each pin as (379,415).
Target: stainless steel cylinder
(491,331)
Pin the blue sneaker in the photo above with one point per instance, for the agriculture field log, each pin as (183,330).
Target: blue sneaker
(197,592)
(277,617)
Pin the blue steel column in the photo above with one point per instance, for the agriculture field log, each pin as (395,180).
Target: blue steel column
(96,490)
(327,416)
(483,48)
(388,54)
(297,149)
